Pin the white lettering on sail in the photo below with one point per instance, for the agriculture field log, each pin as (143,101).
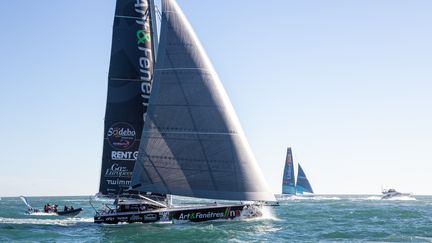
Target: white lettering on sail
(146,58)
(118,171)
(118,182)
(121,155)
(139,4)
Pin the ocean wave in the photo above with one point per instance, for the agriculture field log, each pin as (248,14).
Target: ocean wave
(76,200)
(315,198)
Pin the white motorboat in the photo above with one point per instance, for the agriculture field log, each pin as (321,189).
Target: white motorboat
(392,193)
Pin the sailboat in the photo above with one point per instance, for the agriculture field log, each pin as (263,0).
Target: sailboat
(289,185)
(191,143)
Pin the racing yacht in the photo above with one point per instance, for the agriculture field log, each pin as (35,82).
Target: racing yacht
(183,139)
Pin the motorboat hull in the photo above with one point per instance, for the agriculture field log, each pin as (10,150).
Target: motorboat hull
(69,213)
(395,195)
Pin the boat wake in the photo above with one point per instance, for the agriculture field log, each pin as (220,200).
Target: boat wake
(401,198)
(267,214)
(378,198)
(41,214)
(60,222)
(372,198)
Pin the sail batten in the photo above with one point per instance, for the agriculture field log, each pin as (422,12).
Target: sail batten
(192,142)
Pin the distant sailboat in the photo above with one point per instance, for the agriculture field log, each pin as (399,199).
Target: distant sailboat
(289,185)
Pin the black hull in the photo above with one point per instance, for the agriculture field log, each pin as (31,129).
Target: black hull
(70,213)
(197,214)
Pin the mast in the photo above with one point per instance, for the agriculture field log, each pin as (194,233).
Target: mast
(129,86)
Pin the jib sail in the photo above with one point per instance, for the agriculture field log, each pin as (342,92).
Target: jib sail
(303,184)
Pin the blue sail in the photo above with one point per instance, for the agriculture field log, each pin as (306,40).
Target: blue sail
(288,183)
(303,184)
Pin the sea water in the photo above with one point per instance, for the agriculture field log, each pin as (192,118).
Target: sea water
(310,219)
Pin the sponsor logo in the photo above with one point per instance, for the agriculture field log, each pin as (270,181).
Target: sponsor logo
(210,215)
(121,135)
(124,155)
(164,216)
(123,218)
(118,171)
(136,218)
(150,217)
(146,57)
(143,37)
(199,215)
(118,182)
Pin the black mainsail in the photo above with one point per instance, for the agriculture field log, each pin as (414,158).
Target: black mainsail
(129,86)
(192,142)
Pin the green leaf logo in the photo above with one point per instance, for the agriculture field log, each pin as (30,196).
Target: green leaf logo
(143,37)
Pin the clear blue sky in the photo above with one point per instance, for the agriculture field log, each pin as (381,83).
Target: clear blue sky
(347,84)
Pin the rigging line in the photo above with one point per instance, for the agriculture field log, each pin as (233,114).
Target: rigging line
(157,172)
(128,17)
(158,12)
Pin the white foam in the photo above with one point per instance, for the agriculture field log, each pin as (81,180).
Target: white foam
(401,198)
(315,198)
(267,213)
(76,200)
(42,214)
(379,198)
(371,198)
(61,222)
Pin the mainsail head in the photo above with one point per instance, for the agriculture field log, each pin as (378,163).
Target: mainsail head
(288,181)
(303,184)
(192,142)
